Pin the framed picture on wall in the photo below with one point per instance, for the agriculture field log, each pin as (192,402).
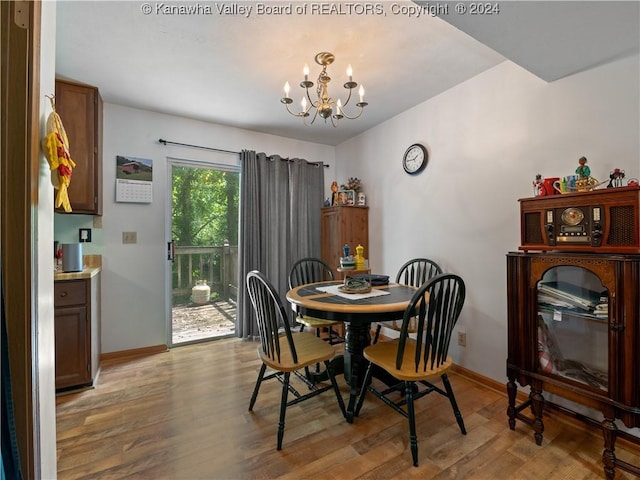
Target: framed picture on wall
(347,197)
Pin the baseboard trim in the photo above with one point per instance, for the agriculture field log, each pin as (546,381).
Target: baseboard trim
(487,382)
(135,352)
(552,410)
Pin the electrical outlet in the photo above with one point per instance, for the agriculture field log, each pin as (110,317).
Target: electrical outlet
(462,339)
(129,237)
(84,235)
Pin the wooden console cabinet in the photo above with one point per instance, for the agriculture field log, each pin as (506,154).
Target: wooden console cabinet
(77,331)
(80,108)
(574,332)
(343,225)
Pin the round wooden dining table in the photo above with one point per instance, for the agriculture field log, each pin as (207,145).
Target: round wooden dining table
(357,313)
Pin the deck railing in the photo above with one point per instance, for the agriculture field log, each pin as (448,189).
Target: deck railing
(218,265)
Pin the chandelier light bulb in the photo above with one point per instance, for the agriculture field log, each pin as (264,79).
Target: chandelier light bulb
(305,70)
(350,73)
(286,89)
(361,92)
(303,104)
(338,107)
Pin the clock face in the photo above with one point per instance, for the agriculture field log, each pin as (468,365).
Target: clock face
(414,159)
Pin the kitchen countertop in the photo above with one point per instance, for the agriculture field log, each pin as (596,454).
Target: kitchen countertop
(87,272)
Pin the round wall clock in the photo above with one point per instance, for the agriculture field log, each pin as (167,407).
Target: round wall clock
(415,159)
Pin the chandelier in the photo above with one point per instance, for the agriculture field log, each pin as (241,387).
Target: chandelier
(324,106)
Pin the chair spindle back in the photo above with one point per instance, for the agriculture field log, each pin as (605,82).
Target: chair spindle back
(270,315)
(417,271)
(309,270)
(436,305)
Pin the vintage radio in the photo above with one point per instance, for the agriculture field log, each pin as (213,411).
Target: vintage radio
(603,221)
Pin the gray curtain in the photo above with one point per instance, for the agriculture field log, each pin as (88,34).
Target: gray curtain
(280,202)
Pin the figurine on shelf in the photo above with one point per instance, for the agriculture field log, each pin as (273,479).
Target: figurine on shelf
(585,182)
(334,195)
(583,170)
(538,186)
(615,178)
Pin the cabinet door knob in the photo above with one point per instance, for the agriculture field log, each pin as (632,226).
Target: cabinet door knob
(617,327)
(63,294)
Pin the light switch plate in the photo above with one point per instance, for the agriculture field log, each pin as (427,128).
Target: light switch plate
(129,237)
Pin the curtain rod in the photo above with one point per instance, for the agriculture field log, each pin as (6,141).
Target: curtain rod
(165,142)
(315,164)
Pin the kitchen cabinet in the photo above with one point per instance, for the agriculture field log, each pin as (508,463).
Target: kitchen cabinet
(342,225)
(77,331)
(574,332)
(80,108)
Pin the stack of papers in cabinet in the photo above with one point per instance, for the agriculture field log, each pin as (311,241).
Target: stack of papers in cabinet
(565,295)
(602,308)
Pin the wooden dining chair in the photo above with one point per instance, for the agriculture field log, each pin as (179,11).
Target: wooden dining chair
(285,352)
(310,270)
(415,273)
(416,362)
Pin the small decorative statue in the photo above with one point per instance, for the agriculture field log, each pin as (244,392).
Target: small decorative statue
(615,178)
(537,186)
(334,195)
(585,181)
(583,170)
(362,199)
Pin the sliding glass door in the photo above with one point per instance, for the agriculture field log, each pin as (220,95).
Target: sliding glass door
(202,251)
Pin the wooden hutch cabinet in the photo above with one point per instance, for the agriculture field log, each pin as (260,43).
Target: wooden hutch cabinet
(80,108)
(574,312)
(343,225)
(574,331)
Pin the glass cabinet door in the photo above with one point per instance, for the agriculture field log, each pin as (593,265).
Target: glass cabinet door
(573,313)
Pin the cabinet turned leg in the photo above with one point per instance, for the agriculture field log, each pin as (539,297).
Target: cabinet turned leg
(537,404)
(610,432)
(512,390)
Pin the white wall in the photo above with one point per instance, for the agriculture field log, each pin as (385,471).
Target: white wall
(487,139)
(44,395)
(133,279)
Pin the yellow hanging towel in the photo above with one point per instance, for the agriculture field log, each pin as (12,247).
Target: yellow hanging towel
(56,148)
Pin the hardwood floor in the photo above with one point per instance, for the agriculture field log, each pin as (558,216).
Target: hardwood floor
(183,415)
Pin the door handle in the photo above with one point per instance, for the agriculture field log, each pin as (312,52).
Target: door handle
(170,250)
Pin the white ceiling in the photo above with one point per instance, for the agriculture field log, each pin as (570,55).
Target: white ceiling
(230,69)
